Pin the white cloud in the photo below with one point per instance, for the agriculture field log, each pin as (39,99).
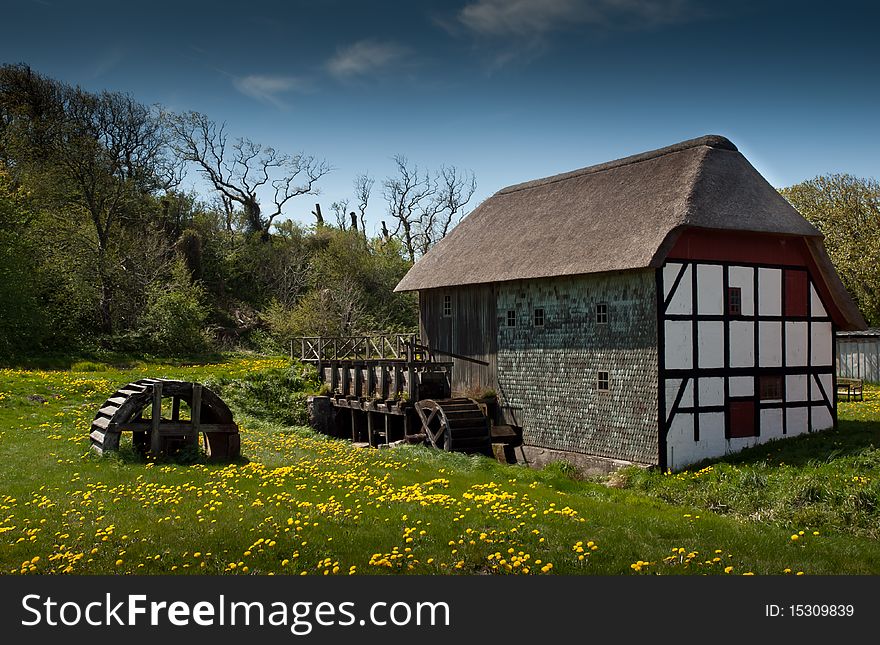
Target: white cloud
(269,89)
(535,18)
(365,57)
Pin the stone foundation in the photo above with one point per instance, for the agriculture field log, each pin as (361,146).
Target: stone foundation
(586,465)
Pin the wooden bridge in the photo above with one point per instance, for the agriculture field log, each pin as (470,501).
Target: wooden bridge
(386,388)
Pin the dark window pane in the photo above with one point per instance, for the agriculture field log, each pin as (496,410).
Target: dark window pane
(734,301)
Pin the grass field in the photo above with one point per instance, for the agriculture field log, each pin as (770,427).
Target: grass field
(299,503)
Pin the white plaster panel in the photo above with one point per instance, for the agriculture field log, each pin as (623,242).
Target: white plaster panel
(735,444)
(827,385)
(681,449)
(679,346)
(822,419)
(744,278)
(796,387)
(742,344)
(816,307)
(671,386)
(795,344)
(687,398)
(710,344)
(742,386)
(770,292)
(710,289)
(711,392)
(820,350)
(770,344)
(681,299)
(670,271)
(771,424)
(712,442)
(796,421)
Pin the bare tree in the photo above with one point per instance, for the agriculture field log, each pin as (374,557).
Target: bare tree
(363,188)
(425,206)
(340,213)
(405,193)
(241,170)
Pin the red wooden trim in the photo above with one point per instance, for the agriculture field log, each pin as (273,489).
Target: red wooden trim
(754,248)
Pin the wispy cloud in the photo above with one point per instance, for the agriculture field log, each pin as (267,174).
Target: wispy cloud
(535,18)
(365,57)
(270,89)
(107,62)
(518,30)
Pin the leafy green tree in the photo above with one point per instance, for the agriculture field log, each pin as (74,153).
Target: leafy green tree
(846,209)
(92,157)
(21,324)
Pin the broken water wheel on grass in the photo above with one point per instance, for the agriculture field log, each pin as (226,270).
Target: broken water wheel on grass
(192,411)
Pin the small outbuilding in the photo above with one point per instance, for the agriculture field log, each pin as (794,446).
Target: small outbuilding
(658,309)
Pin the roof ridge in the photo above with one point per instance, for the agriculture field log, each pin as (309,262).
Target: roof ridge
(709,140)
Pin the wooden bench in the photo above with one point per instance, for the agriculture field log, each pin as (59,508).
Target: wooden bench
(851,388)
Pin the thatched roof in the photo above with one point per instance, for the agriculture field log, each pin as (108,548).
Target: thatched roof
(616,216)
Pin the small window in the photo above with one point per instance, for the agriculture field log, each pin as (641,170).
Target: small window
(770,387)
(734,301)
(602,313)
(447,306)
(602,382)
(539,317)
(511,318)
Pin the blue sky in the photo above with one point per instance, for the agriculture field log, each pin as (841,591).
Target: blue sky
(511,89)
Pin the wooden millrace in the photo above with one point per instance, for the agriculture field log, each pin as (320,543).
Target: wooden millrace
(124,412)
(458,425)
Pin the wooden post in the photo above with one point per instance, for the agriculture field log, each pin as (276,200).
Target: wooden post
(346,380)
(371,381)
(175,409)
(410,374)
(369,427)
(383,386)
(334,376)
(196,410)
(358,380)
(387,428)
(396,380)
(155,439)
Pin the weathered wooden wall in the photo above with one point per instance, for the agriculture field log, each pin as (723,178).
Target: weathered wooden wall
(859,357)
(471,330)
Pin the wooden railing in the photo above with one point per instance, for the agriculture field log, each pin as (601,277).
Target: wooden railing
(403,347)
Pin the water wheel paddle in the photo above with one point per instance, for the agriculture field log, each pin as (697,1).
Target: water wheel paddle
(458,425)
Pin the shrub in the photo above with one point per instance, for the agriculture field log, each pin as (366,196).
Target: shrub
(89,366)
(175,315)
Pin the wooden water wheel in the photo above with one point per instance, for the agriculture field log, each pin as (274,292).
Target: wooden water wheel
(455,424)
(124,412)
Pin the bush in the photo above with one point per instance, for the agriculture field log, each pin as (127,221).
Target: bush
(89,366)
(175,316)
(276,394)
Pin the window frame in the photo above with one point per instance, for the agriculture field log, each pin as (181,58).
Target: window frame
(600,380)
(601,313)
(731,291)
(447,305)
(511,318)
(770,387)
(543,316)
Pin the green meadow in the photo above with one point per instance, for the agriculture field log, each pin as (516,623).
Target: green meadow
(298,503)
